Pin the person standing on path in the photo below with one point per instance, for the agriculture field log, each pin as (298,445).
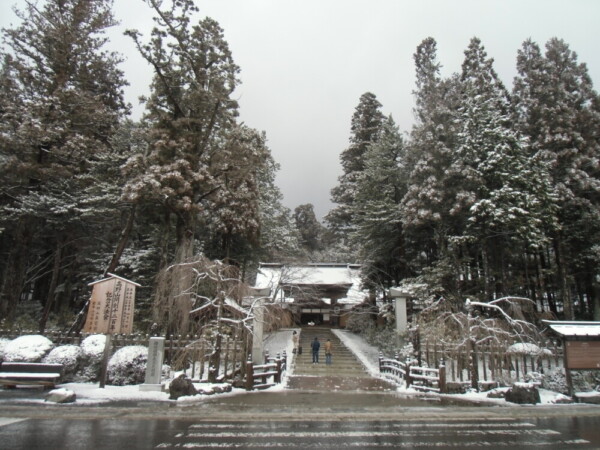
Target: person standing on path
(295,342)
(328,347)
(315,346)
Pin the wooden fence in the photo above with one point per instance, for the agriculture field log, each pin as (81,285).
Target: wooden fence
(188,352)
(421,378)
(480,366)
(491,362)
(262,376)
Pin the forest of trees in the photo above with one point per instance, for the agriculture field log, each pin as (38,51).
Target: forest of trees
(492,192)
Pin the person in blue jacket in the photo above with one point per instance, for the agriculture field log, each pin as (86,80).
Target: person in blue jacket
(315,346)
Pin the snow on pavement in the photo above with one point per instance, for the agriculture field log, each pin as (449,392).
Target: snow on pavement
(365,352)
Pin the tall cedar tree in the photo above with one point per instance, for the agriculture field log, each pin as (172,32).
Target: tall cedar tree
(503,194)
(199,160)
(381,187)
(365,129)
(559,112)
(59,115)
(311,231)
(426,205)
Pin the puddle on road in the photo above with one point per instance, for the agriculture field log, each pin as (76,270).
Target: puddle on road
(337,400)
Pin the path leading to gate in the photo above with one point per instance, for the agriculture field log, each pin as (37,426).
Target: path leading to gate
(345,373)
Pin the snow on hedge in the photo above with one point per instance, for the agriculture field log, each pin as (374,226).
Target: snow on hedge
(67,355)
(526,348)
(3,342)
(30,348)
(128,365)
(93,346)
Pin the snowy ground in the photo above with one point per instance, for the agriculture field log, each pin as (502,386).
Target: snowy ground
(277,342)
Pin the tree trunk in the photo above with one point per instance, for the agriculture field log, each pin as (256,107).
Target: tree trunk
(123,239)
(215,357)
(562,280)
(14,272)
(52,287)
(486,275)
(173,301)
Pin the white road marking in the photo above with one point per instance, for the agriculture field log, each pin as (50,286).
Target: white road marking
(371,444)
(445,426)
(499,433)
(7,421)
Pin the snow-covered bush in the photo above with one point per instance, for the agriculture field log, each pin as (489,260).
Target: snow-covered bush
(360,323)
(92,349)
(30,348)
(3,343)
(128,366)
(67,355)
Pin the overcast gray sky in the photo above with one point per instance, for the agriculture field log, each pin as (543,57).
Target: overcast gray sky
(305,63)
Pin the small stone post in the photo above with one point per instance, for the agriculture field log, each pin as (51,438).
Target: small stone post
(407,377)
(277,377)
(156,352)
(442,375)
(400,298)
(249,374)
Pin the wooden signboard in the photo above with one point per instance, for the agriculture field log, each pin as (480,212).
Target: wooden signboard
(111,306)
(582,355)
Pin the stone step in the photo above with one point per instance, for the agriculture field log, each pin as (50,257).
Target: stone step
(344,363)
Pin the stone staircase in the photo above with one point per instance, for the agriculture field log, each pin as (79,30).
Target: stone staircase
(344,363)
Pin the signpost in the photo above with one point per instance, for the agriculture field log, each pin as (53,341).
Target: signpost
(111,306)
(581,344)
(111,311)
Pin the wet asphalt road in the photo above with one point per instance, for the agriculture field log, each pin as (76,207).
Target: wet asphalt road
(293,419)
(76,434)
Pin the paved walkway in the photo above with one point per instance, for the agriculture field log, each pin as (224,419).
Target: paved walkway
(344,374)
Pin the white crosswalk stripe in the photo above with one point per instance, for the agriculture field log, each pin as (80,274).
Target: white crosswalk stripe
(9,420)
(502,433)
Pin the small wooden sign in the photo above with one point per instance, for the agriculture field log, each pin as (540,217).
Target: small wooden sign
(111,306)
(582,354)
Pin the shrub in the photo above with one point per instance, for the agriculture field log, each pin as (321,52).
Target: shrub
(30,348)
(3,343)
(92,349)
(67,355)
(128,366)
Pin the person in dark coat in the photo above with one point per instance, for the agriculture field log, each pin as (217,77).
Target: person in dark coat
(315,346)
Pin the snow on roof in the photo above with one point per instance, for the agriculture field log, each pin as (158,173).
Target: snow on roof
(273,275)
(574,328)
(110,277)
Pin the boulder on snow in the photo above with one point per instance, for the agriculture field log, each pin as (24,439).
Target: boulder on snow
(180,387)
(456,387)
(523,393)
(61,396)
(496,393)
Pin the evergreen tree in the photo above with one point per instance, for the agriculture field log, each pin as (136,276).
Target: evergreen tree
(557,109)
(426,205)
(201,164)
(365,129)
(311,231)
(67,101)
(502,196)
(381,187)
(279,237)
